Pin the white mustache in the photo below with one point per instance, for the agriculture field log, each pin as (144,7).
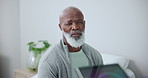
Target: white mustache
(77,31)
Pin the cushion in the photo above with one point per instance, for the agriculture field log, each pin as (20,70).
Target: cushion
(129,73)
(113,59)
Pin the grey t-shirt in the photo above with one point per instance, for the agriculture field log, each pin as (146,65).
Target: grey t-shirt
(78,59)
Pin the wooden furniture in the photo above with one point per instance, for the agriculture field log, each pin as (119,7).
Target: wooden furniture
(24,73)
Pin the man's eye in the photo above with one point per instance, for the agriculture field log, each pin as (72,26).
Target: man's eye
(80,22)
(68,24)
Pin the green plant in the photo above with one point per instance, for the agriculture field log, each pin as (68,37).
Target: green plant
(38,48)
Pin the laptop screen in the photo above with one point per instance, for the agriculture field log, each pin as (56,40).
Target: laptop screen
(103,71)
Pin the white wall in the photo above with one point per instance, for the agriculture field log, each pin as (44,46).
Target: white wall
(9,38)
(112,26)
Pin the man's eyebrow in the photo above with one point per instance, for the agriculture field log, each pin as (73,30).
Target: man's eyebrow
(80,19)
(69,20)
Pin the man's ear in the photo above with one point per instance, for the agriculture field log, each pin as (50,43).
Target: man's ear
(60,27)
(84,22)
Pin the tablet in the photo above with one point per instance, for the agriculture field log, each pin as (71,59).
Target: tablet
(103,71)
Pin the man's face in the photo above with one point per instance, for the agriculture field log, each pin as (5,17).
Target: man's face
(73,26)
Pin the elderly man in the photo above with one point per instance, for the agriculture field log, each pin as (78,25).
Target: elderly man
(71,52)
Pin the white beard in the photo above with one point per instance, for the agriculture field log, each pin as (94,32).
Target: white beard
(74,42)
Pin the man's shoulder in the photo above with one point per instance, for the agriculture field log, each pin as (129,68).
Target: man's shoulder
(93,53)
(90,50)
(51,54)
(88,47)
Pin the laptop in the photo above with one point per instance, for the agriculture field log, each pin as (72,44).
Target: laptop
(103,71)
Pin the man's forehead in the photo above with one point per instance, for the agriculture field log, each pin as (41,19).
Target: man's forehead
(71,20)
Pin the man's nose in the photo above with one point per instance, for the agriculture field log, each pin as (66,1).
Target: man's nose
(75,26)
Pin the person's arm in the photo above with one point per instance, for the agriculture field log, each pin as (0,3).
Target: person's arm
(47,70)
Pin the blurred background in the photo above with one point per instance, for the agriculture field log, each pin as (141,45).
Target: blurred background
(112,26)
